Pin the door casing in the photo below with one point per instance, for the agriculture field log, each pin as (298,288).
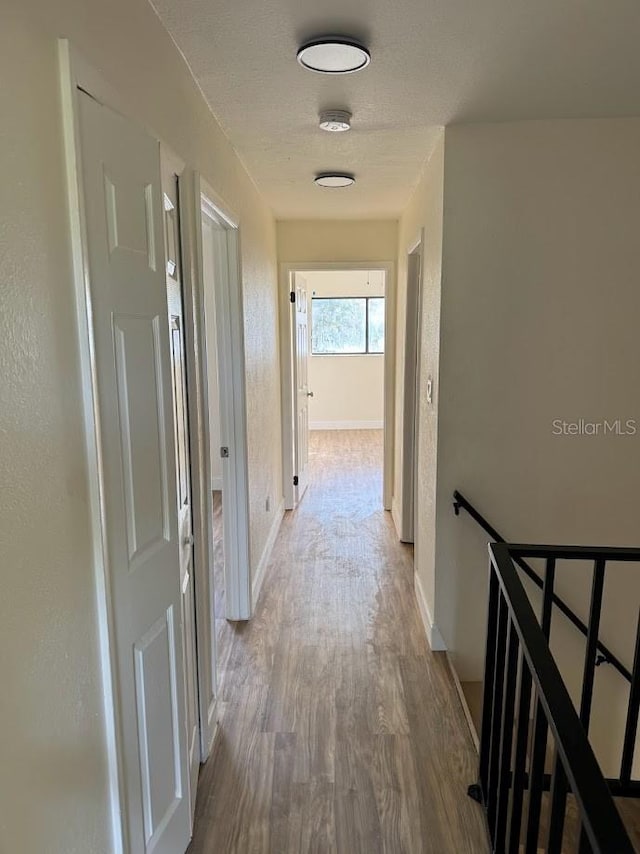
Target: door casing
(172,168)
(301,310)
(287,320)
(232,393)
(406,522)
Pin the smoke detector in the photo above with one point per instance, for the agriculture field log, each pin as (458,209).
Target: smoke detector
(335,121)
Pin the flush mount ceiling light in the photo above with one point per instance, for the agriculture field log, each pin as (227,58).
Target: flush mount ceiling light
(335,121)
(334,55)
(334,179)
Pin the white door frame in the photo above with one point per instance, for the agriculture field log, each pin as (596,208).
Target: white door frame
(287,270)
(200,557)
(411,390)
(193,190)
(232,391)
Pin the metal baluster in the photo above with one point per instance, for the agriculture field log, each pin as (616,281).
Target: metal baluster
(547,597)
(496,713)
(558,808)
(588,679)
(536,778)
(584,846)
(631,727)
(489,675)
(520,765)
(506,741)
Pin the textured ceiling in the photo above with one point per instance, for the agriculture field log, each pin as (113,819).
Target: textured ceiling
(434,62)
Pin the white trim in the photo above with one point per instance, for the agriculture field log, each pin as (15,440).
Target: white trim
(213,725)
(232,382)
(410,394)
(434,637)
(286,362)
(200,494)
(346,425)
(463,702)
(216,208)
(416,242)
(263,563)
(395,515)
(73,73)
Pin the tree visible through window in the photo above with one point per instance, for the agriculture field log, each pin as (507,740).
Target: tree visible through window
(342,325)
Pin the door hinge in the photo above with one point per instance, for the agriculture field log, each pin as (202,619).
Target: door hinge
(292,296)
(224,452)
(295,480)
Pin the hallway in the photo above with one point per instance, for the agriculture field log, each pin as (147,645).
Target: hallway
(340,731)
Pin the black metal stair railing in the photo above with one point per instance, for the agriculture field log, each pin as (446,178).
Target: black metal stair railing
(604,654)
(521,674)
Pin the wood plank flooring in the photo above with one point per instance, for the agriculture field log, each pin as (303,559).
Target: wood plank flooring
(340,731)
(224,630)
(473,695)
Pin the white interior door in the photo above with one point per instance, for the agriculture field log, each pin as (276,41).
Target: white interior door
(301,385)
(128,296)
(175,302)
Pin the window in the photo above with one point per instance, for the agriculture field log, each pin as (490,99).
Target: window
(343,325)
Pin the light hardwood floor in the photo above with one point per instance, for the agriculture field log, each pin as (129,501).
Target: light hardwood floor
(340,731)
(225,630)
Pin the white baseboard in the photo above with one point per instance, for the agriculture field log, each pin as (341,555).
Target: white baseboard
(216,484)
(434,637)
(395,515)
(346,425)
(464,704)
(258,578)
(212,726)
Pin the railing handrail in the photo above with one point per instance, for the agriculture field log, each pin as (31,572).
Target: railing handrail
(600,818)
(519,552)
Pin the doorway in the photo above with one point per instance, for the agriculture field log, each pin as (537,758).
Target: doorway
(338,362)
(223,355)
(411,380)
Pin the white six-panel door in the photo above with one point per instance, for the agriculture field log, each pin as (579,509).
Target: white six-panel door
(128,295)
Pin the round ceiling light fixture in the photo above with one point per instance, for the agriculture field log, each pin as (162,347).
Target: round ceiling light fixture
(335,121)
(334,179)
(334,55)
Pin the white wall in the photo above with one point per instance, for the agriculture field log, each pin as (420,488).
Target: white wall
(423,213)
(348,390)
(53,777)
(540,307)
(337,240)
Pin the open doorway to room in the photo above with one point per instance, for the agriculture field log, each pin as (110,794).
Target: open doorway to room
(337,381)
(227,481)
(411,386)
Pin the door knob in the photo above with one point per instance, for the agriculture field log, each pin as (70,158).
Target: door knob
(188,540)
(309,394)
